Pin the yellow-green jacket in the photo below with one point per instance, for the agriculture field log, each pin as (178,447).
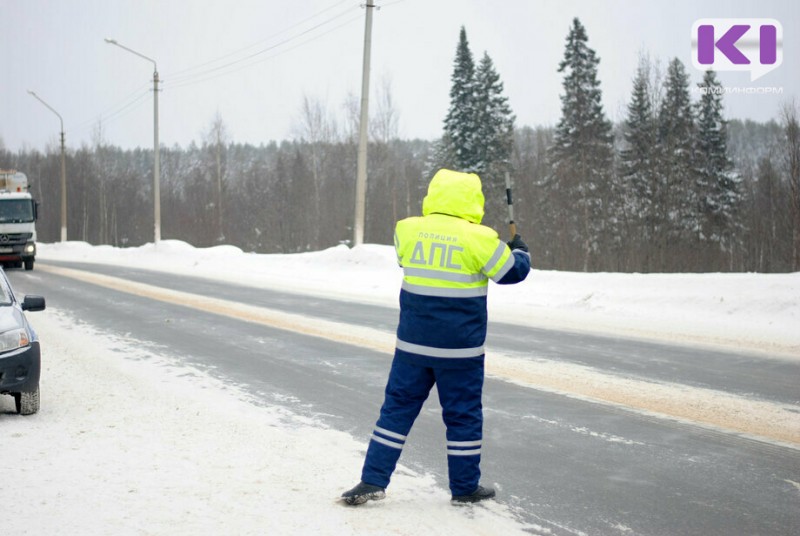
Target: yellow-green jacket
(447,259)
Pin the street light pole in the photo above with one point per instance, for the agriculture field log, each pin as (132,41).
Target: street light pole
(63,170)
(156,159)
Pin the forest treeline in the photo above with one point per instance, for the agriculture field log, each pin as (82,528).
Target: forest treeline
(674,187)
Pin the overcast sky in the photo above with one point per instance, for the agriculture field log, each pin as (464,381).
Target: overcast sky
(254,60)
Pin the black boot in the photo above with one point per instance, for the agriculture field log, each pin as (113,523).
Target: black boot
(479,494)
(362,493)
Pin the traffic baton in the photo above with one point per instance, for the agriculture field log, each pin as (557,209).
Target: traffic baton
(511,225)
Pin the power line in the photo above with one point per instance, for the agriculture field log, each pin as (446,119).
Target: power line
(126,105)
(210,76)
(185,77)
(189,77)
(127,108)
(113,110)
(117,114)
(259,43)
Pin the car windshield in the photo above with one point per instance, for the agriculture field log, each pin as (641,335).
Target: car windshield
(16,211)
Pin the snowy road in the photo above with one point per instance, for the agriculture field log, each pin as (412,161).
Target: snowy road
(588,451)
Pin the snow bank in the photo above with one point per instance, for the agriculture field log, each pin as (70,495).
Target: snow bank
(747,311)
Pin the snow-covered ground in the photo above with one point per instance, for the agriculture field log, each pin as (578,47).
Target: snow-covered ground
(137,444)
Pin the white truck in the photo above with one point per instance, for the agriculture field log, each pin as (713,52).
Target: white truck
(18,214)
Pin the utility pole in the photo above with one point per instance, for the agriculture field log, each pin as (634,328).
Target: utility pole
(361,169)
(63,169)
(156,163)
(156,160)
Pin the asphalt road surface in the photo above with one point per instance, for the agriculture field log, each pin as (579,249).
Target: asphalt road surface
(566,464)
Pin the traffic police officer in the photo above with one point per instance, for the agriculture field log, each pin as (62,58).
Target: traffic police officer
(447,259)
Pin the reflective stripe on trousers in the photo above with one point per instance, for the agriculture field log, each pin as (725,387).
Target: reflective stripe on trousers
(406,391)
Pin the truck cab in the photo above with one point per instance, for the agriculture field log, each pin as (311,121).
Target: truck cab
(18,215)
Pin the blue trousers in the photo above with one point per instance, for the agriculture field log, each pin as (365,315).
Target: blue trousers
(406,391)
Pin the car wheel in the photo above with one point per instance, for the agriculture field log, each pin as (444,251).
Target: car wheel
(29,264)
(27,403)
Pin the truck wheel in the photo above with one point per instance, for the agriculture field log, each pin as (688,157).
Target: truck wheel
(29,264)
(27,403)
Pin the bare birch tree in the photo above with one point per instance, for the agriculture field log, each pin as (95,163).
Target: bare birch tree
(217,139)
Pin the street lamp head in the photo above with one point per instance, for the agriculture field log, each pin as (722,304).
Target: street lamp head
(151,60)
(37,97)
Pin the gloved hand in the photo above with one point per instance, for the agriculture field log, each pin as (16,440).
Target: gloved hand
(517,243)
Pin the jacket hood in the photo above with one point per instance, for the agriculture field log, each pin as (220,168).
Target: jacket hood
(455,194)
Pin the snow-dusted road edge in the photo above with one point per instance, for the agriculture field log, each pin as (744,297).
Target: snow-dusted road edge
(129,442)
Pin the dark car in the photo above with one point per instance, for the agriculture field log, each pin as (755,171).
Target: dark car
(20,361)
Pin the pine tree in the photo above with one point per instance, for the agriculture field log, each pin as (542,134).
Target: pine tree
(582,155)
(718,185)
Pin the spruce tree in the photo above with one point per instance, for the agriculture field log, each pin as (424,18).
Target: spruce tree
(676,203)
(718,185)
(478,129)
(495,136)
(494,120)
(582,154)
(460,140)
(639,162)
